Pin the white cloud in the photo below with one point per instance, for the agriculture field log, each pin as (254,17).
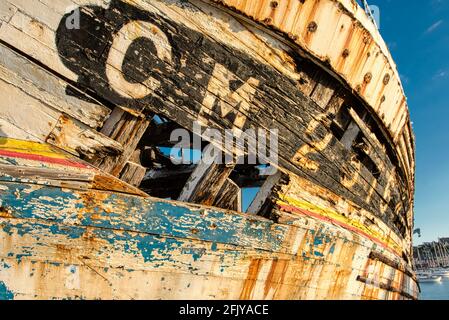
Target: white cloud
(434,26)
(441,74)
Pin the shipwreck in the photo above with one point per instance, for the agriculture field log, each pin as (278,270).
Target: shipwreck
(92,207)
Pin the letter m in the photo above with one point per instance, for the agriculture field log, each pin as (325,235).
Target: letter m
(228,97)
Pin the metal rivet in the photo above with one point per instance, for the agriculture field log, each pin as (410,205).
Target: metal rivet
(267,20)
(368,77)
(312,27)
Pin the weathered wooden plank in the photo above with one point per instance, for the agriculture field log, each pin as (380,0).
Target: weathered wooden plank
(77,139)
(133,173)
(229,197)
(379,148)
(38,10)
(264,193)
(7,10)
(392,181)
(298,198)
(200,246)
(126,256)
(16,107)
(7,129)
(336,103)
(47,124)
(324,90)
(207,180)
(36,49)
(44,86)
(159,217)
(350,135)
(50,177)
(127,130)
(42,164)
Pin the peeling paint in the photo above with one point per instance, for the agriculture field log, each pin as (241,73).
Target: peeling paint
(5,293)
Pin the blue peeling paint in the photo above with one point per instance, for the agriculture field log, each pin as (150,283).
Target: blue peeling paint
(5,293)
(131,213)
(318,241)
(155,230)
(318,254)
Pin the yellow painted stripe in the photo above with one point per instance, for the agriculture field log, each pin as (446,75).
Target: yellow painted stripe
(30,147)
(335,216)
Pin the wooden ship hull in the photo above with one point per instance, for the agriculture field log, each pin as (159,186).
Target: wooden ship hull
(90,208)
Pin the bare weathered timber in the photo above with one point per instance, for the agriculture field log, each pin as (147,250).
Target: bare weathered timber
(208,182)
(264,193)
(229,197)
(127,130)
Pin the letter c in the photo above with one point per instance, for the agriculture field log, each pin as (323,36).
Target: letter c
(125,37)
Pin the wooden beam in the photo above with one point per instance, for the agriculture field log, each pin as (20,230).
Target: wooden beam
(324,90)
(49,89)
(229,197)
(264,193)
(51,177)
(126,129)
(133,173)
(350,135)
(206,182)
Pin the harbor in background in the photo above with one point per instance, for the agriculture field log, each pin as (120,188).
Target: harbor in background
(431,261)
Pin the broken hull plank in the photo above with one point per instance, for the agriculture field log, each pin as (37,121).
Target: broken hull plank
(43,164)
(170,250)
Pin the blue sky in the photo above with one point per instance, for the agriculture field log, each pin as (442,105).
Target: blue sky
(417,33)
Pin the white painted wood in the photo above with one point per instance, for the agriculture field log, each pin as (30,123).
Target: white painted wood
(264,192)
(44,86)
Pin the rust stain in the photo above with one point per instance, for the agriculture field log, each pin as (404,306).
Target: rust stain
(251,279)
(109,183)
(343,274)
(5,213)
(276,275)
